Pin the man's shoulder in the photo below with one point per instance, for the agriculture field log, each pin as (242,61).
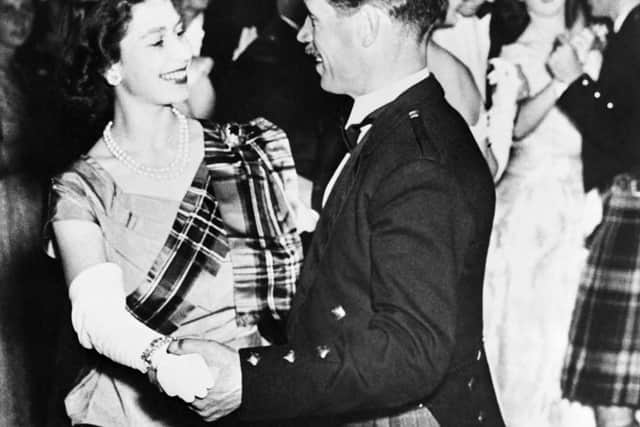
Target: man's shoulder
(421,125)
(630,31)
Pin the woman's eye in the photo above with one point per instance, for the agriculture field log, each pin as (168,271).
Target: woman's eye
(158,43)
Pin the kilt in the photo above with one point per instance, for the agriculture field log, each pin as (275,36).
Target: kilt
(602,364)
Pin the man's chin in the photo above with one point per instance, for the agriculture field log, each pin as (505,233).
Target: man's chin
(328,87)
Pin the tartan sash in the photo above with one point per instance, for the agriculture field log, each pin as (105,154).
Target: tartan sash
(237,205)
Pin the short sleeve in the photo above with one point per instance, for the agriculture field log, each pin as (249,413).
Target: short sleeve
(68,200)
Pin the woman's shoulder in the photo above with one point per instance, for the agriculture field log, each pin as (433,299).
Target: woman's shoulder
(84,178)
(460,88)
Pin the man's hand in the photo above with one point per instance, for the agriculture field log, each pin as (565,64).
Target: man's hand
(564,63)
(226,394)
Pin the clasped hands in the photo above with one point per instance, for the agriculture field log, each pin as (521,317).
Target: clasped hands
(566,61)
(223,363)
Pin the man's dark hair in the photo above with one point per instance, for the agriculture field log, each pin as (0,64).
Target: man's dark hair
(420,15)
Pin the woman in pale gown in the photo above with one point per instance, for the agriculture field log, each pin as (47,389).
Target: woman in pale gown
(536,249)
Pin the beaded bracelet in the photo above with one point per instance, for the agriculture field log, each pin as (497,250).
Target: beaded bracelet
(154,345)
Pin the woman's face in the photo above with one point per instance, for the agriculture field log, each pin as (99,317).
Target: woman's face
(16,21)
(153,54)
(452,12)
(195,5)
(545,7)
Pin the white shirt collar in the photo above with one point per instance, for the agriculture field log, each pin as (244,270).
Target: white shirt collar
(625,9)
(365,104)
(290,22)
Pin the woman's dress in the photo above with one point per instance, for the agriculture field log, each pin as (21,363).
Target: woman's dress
(535,258)
(140,234)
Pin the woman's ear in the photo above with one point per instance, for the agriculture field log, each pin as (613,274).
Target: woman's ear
(113,74)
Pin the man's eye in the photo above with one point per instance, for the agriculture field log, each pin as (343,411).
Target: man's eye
(158,43)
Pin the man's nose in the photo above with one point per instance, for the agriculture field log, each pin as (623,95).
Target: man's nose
(304,35)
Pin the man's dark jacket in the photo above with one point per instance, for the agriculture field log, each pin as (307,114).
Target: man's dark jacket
(607,112)
(388,312)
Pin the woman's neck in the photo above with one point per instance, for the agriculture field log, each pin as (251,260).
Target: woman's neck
(550,26)
(143,127)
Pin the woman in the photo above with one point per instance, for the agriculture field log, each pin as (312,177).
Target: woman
(167,226)
(536,248)
(491,129)
(458,85)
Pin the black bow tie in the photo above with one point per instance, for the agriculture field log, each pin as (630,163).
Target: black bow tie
(351,134)
(484,9)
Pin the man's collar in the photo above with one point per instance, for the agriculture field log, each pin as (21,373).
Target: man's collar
(626,6)
(290,22)
(365,104)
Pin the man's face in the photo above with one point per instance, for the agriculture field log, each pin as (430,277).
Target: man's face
(196,6)
(330,37)
(16,20)
(469,7)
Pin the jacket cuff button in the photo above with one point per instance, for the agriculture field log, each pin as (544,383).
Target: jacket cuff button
(338,312)
(290,356)
(323,351)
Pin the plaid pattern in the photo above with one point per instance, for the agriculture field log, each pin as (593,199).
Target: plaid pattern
(602,365)
(250,170)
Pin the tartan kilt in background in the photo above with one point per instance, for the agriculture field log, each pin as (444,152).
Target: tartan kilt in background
(602,364)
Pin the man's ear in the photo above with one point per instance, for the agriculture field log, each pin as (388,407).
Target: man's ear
(369,24)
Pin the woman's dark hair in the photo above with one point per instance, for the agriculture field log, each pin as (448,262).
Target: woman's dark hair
(574,10)
(93,30)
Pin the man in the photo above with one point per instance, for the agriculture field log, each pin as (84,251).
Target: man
(598,371)
(386,325)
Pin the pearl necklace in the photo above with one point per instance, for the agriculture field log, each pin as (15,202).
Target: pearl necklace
(166,173)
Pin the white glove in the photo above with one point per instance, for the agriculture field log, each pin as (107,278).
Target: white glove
(501,116)
(186,376)
(507,81)
(582,43)
(100,319)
